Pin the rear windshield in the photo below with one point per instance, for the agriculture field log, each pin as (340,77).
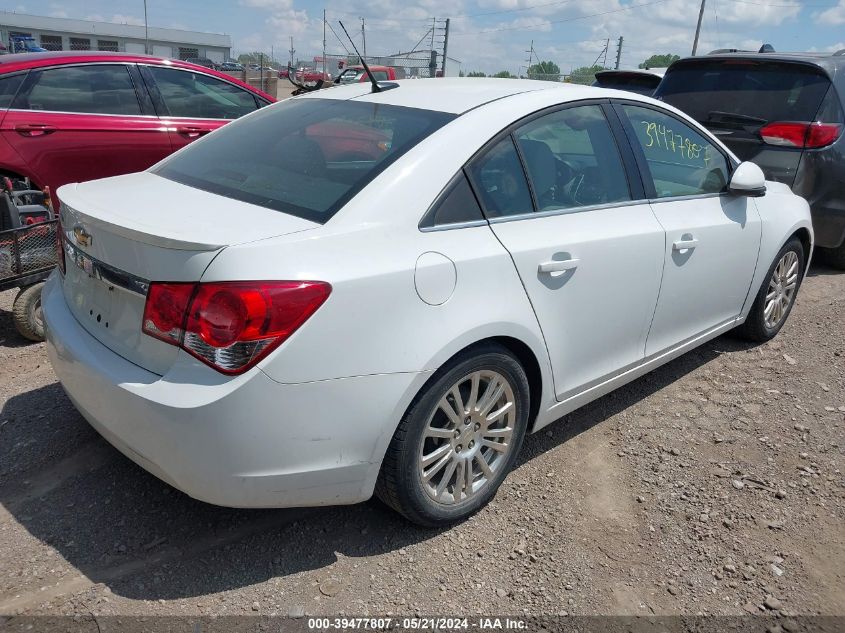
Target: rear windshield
(638,83)
(755,92)
(304,157)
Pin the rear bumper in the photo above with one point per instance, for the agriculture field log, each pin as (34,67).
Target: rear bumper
(246,441)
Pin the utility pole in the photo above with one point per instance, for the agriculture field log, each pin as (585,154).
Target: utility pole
(363,37)
(433,29)
(698,27)
(146,32)
(445,48)
(606,51)
(530,52)
(619,51)
(324,43)
(291,50)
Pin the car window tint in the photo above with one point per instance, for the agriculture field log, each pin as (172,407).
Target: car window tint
(500,181)
(681,161)
(757,91)
(305,157)
(572,159)
(94,89)
(188,94)
(457,205)
(9,88)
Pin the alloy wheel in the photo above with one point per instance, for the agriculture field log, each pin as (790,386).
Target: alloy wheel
(781,291)
(468,437)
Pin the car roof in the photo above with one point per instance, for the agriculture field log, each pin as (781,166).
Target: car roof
(452,94)
(19,61)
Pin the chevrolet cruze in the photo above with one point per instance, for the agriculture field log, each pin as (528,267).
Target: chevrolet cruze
(263,320)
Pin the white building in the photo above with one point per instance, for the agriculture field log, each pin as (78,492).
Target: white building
(64,34)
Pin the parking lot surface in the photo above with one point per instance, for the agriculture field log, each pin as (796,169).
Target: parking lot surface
(712,485)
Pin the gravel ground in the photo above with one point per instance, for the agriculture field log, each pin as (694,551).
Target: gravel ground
(712,485)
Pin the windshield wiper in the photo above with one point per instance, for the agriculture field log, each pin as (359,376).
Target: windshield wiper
(730,117)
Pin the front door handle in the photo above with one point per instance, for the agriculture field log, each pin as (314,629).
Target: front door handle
(558,266)
(34,129)
(191,131)
(683,245)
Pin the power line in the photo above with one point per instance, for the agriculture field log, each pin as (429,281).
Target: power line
(580,17)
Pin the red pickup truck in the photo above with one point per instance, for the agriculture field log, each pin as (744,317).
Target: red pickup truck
(358,74)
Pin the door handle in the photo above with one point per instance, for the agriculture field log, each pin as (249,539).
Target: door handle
(558,266)
(34,129)
(191,131)
(683,245)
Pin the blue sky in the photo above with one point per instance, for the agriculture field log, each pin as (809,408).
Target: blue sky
(488,35)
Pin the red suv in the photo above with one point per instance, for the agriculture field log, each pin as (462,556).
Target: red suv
(76,116)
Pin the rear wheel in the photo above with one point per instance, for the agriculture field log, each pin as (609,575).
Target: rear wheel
(777,295)
(458,440)
(834,257)
(26,313)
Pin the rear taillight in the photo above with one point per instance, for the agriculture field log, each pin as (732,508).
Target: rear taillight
(804,135)
(230,325)
(60,247)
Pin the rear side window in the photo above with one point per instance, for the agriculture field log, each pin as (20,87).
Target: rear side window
(457,205)
(93,89)
(305,157)
(9,88)
(572,159)
(681,161)
(501,182)
(193,95)
(736,93)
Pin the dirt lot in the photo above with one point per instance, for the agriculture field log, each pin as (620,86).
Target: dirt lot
(713,485)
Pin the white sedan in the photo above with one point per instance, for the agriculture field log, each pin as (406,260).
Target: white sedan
(360,291)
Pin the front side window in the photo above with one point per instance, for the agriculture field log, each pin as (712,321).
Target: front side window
(681,162)
(572,159)
(303,157)
(193,95)
(94,89)
(500,181)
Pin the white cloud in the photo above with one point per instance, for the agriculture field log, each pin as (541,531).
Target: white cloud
(833,16)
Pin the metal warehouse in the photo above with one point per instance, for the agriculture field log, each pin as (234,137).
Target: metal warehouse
(57,34)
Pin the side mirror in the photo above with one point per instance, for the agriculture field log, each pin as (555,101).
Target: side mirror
(748,180)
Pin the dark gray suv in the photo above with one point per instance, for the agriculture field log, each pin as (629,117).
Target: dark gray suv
(784,112)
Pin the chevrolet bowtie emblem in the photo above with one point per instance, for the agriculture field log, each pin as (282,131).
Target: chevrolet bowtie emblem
(81,236)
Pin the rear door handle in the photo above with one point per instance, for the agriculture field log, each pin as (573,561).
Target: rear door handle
(34,129)
(683,245)
(558,266)
(191,131)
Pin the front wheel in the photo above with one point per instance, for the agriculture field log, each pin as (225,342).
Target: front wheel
(777,295)
(458,440)
(26,313)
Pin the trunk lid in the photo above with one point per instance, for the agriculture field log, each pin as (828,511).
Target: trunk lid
(122,233)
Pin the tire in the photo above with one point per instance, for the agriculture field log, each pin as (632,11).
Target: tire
(26,313)
(758,327)
(460,440)
(834,257)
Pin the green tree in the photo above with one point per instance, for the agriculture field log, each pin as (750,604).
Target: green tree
(476,73)
(585,75)
(504,74)
(660,61)
(548,71)
(461,73)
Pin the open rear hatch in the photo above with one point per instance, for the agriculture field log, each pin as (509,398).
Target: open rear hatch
(122,233)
